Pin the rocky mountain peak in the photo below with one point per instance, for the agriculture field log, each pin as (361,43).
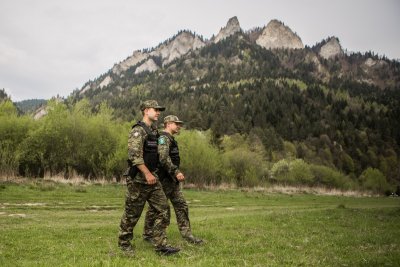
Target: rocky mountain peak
(277,35)
(136,57)
(149,66)
(331,48)
(231,27)
(178,46)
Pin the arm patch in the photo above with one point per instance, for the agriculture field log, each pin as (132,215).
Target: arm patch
(161,140)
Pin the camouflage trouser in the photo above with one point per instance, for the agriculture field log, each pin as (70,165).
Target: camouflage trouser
(136,198)
(174,194)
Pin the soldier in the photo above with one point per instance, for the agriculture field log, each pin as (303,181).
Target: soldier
(143,184)
(170,176)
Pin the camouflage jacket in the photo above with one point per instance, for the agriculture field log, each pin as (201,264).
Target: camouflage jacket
(137,137)
(164,144)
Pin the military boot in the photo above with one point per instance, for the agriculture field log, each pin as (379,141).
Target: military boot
(148,239)
(127,250)
(193,240)
(167,250)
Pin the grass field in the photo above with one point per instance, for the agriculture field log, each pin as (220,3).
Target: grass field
(51,224)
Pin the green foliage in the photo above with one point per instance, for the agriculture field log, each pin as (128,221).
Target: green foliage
(301,171)
(280,170)
(289,149)
(348,163)
(296,172)
(13,130)
(374,180)
(74,141)
(331,178)
(116,162)
(7,108)
(292,172)
(201,162)
(244,167)
(243,160)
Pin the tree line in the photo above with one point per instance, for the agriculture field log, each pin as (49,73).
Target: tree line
(75,140)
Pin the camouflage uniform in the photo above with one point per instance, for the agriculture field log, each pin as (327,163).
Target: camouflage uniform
(139,192)
(166,173)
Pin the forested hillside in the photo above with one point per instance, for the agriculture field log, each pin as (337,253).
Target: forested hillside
(30,105)
(337,113)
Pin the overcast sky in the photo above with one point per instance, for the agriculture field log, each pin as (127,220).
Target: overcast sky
(50,47)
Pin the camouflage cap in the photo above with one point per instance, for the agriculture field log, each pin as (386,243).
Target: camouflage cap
(151,104)
(172,118)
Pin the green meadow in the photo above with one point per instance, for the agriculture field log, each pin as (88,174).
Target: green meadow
(46,223)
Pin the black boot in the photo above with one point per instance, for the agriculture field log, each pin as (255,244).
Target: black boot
(127,250)
(148,239)
(193,240)
(167,250)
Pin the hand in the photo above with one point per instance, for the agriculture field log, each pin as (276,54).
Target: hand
(150,178)
(180,177)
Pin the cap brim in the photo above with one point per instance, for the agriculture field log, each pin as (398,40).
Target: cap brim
(180,122)
(160,108)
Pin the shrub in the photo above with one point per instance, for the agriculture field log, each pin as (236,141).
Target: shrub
(374,180)
(280,170)
(300,172)
(13,130)
(292,172)
(244,167)
(200,161)
(66,141)
(116,162)
(330,177)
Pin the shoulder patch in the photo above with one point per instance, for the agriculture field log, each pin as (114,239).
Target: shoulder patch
(136,134)
(161,140)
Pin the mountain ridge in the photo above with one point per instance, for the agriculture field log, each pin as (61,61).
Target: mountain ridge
(275,35)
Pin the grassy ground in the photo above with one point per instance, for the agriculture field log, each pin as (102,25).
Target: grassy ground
(51,224)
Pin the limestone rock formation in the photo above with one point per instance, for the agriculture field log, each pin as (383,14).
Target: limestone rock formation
(131,61)
(277,35)
(371,65)
(179,46)
(40,113)
(149,65)
(44,110)
(106,81)
(331,48)
(85,89)
(231,27)
(374,63)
